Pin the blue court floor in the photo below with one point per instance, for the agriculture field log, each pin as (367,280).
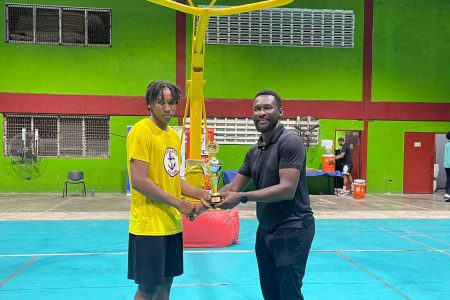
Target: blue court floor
(350,259)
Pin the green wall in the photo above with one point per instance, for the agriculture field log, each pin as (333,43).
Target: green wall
(143,49)
(411,55)
(386,152)
(295,72)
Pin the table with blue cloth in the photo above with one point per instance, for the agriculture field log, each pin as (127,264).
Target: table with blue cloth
(319,182)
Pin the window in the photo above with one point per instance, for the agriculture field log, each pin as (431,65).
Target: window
(37,24)
(291,27)
(59,136)
(240,131)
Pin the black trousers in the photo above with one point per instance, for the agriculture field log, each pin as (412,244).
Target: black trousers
(282,255)
(447,184)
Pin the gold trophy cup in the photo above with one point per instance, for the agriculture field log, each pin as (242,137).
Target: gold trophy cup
(214,166)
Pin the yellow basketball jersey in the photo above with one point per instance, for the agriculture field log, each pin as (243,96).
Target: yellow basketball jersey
(147,142)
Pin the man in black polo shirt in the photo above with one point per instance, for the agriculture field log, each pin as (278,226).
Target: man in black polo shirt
(277,165)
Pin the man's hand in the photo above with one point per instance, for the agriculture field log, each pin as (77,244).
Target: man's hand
(229,200)
(205,198)
(186,208)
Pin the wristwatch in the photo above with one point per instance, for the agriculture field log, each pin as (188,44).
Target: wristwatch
(244,198)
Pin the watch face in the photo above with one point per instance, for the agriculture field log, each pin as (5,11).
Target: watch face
(244,198)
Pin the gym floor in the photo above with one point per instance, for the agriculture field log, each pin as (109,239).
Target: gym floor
(385,246)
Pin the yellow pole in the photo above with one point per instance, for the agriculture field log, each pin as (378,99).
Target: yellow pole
(198,53)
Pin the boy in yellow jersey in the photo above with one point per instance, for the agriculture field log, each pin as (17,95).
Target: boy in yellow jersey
(155,250)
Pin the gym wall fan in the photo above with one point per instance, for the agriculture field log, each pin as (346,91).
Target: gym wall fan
(26,159)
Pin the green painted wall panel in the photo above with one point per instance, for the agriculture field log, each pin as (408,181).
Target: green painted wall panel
(385,152)
(295,72)
(143,49)
(411,53)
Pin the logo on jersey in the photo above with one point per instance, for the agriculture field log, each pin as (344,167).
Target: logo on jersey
(171,162)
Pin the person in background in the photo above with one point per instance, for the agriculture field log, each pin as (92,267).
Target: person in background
(155,249)
(277,165)
(346,161)
(447,167)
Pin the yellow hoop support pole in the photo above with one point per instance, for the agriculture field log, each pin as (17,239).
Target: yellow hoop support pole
(197,65)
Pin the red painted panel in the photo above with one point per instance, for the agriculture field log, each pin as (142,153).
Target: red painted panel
(72,104)
(231,108)
(418,163)
(367,50)
(354,139)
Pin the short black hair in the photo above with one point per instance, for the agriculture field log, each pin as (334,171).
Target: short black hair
(448,135)
(341,139)
(155,89)
(271,93)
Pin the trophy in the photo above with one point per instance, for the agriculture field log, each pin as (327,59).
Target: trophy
(214,167)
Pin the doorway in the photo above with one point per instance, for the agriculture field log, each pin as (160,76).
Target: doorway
(419,149)
(354,139)
(441,140)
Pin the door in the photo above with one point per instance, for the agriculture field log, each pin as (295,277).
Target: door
(354,139)
(418,163)
(441,140)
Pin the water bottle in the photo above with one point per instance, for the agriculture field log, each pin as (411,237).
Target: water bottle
(92,193)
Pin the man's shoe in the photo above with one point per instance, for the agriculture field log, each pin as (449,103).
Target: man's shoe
(447,197)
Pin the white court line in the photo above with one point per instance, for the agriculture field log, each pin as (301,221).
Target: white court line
(56,205)
(425,235)
(399,202)
(201,284)
(228,251)
(414,241)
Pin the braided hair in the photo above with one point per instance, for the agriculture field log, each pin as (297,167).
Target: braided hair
(155,89)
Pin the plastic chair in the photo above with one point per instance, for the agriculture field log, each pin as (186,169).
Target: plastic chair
(75,177)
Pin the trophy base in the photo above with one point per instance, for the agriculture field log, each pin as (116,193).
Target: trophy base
(215,199)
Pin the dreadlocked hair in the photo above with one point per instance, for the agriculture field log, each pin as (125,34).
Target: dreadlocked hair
(155,89)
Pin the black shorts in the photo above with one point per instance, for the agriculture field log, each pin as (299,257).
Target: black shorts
(151,258)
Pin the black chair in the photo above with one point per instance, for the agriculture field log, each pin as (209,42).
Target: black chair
(75,177)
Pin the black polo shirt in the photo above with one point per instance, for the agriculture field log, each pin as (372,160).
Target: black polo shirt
(262,163)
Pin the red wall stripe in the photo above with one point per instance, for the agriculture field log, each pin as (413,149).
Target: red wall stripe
(232,108)
(71,104)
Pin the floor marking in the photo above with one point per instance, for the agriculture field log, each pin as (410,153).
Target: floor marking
(400,202)
(201,284)
(229,251)
(425,235)
(414,241)
(56,205)
(10,277)
(385,283)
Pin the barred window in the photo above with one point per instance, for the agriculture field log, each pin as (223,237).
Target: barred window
(59,136)
(292,27)
(242,131)
(38,24)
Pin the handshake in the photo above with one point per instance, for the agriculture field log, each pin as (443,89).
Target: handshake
(222,200)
